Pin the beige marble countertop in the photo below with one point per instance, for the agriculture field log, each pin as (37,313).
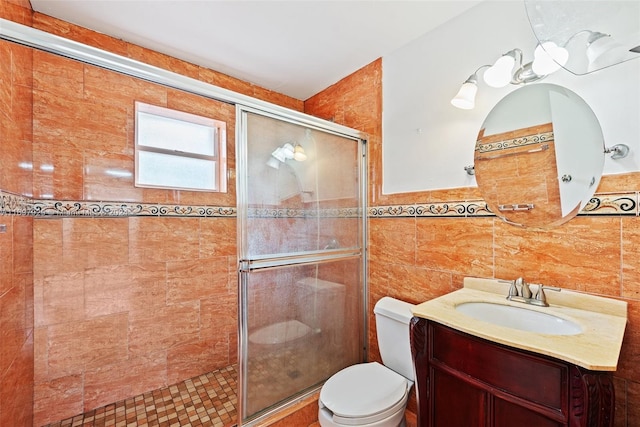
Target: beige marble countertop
(597,347)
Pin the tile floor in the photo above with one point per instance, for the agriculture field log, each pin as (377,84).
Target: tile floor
(208,400)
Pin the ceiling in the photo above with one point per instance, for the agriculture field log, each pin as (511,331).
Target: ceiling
(294,47)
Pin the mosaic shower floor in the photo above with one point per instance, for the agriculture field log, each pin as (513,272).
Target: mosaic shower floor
(208,400)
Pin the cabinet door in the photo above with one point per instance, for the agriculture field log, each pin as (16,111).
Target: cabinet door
(456,403)
(507,414)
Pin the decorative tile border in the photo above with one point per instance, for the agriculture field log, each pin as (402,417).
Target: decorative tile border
(304,213)
(11,204)
(612,204)
(475,208)
(515,142)
(119,209)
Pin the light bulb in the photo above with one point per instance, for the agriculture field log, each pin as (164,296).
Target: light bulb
(499,74)
(287,150)
(548,58)
(603,51)
(278,154)
(298,153)
(466,96)
(273,162)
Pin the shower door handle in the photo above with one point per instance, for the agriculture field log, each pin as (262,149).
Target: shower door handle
(244,266)
(302,258)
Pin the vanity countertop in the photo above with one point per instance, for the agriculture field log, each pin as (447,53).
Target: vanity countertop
(597,347)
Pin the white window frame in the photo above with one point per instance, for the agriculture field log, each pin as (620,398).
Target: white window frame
(218,142)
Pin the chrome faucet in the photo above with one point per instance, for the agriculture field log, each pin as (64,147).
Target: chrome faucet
(521,292)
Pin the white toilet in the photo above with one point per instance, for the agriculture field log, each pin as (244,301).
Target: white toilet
(371,394)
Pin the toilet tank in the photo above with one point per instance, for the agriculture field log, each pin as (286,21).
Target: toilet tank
(392,326)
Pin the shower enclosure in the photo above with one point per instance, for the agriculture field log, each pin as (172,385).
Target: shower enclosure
(301,219)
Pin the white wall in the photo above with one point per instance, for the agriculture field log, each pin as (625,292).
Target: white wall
(427,142)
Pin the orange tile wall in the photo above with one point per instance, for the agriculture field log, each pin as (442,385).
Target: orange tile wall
(412,259)
(417,259)
(122,305)
(16,253)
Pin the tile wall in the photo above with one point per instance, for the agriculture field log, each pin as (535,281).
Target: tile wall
(16,235)
(122,304)
(416,257)
(120,301)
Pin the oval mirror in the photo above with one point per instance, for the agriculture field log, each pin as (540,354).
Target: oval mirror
(539,156)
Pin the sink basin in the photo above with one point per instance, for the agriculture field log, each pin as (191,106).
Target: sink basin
(519,318)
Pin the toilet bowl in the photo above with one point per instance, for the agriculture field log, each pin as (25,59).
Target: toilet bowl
(374,394)
(317,299)
(368,394)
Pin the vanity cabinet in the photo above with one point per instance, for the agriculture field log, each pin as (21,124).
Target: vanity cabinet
(466,381)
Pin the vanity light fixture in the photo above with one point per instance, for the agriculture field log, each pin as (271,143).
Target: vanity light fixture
(286,152)
(499,74)
(298,153)
(548,58)
(602,50)
(597,34)
(466,96)
(273,162)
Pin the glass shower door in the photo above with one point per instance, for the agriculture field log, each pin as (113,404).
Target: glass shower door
(301,234)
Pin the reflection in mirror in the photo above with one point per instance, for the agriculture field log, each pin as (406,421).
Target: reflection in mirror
(539,156)
(596,34)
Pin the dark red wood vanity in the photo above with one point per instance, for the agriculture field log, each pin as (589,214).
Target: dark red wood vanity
(466,381)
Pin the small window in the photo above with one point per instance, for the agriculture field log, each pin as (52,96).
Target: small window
(179,150)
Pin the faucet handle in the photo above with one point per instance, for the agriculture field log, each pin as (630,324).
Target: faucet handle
(540,296)
(513,290)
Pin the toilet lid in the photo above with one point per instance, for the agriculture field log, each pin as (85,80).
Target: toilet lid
(363,390)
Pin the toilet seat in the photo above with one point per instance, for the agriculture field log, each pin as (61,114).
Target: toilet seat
(364,394)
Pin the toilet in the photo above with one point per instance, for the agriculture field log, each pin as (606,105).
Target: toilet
(312,320)
(374,394)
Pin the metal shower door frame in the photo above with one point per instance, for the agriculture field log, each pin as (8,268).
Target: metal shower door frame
(246,263)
